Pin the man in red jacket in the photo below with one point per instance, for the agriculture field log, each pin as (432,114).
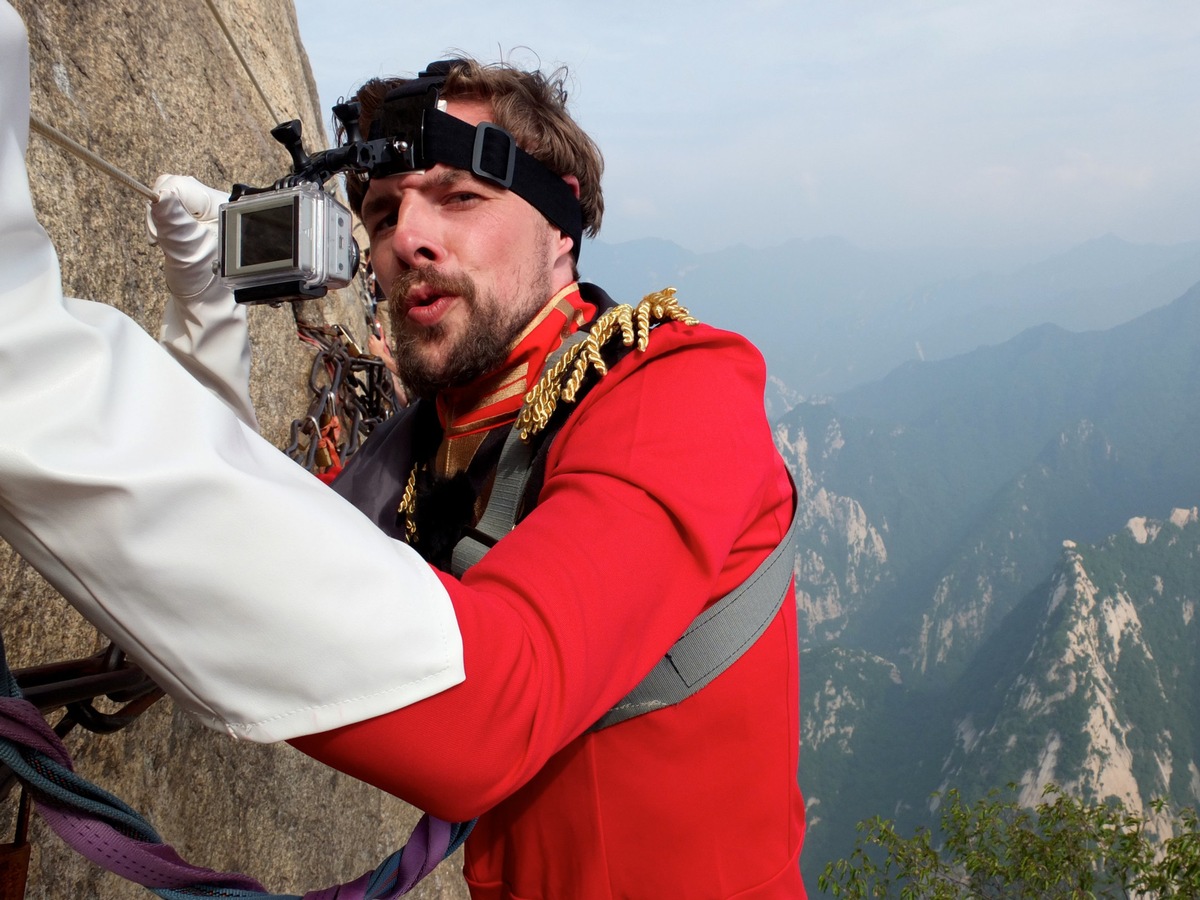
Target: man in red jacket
(656,492)
(662,492)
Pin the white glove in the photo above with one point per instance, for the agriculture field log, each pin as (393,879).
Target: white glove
(259,599)
(203,328)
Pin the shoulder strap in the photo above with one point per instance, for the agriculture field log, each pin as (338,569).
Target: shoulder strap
(512,476)
(717,638)
(375,477)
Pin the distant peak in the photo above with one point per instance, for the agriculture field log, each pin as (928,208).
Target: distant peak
(1142,529)
(1181,518)
(1145,530)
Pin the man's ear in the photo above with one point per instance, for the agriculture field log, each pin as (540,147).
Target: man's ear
(565,245)
(567,242)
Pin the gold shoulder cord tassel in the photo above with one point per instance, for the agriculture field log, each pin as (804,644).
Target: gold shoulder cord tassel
(408,506)
(562,381)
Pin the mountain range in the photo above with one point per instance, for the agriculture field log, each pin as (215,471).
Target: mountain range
(1092,683)
(997,575)
(829,315)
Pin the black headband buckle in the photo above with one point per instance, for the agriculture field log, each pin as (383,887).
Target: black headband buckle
(485,152)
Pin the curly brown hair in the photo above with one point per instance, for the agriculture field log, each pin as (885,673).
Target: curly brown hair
(531,106)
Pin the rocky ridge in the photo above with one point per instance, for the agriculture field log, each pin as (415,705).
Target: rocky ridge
(1098,704)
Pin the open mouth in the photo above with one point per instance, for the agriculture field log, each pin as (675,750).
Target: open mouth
(427,296)
(427,307)
(421,296)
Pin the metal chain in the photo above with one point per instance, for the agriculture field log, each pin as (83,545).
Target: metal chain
(352,393)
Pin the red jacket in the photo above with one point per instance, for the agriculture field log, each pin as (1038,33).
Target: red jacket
(663,491)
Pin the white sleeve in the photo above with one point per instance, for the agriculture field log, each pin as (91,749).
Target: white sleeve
(256,597)
(212,342)
(203,327)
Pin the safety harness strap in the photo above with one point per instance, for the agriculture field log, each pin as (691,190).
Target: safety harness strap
(111,834)
(512,478)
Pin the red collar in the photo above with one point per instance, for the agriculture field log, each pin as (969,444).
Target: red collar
(495,399)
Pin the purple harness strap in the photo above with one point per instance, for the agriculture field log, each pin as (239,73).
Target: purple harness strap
(21,723)
(150,865)
(91,823)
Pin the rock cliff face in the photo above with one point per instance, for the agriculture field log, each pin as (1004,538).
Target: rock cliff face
(157,88)
(840,554)
(1103,701)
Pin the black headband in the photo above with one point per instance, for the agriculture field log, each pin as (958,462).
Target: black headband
(410,132)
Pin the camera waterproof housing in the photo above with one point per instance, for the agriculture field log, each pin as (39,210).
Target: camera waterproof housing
(287,244)
(293,241)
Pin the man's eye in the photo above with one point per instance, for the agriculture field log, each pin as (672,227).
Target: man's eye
(382,223)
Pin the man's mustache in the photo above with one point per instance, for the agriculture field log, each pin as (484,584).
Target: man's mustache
(431,281)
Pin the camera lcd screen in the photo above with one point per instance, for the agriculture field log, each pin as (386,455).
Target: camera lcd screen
(268,236)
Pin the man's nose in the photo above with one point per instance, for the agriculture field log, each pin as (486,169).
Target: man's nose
(416,238)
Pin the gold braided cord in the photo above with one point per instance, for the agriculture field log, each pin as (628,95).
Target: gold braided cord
(408,506)
(563,380)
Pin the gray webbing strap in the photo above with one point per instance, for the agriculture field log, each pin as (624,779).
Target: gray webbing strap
(716,639)
(512,475)
(500,514)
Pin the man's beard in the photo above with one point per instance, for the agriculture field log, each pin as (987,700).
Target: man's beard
(482,347)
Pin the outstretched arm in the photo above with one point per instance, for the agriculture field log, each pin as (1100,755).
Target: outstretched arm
(169,523)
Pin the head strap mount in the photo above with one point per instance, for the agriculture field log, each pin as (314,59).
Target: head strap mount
(411,131)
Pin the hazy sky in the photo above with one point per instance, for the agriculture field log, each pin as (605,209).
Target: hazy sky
(893,124)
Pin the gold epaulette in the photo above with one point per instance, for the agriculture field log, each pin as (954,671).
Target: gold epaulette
(563,379)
